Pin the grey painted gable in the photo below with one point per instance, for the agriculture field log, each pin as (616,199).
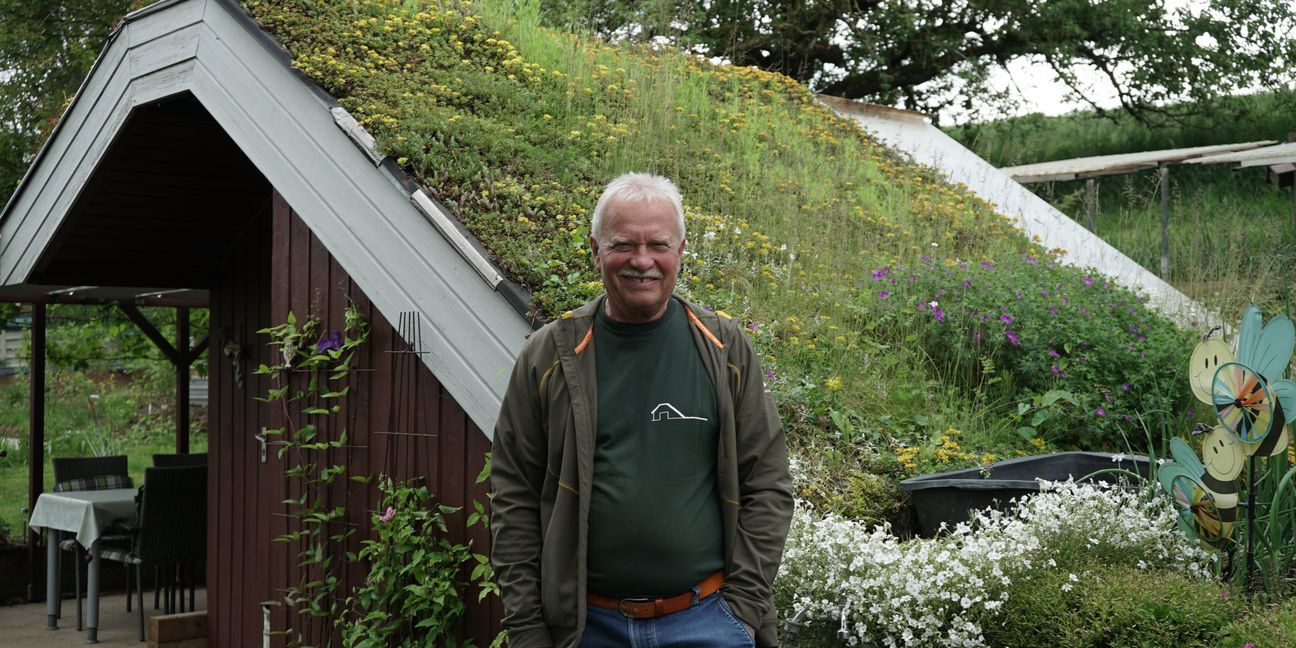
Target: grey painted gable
(361,213)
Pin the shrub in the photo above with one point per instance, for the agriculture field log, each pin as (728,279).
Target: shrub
(1269,627)
(1106,605)
(946,591)
(1079,357)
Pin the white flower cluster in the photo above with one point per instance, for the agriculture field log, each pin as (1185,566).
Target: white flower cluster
(938,592)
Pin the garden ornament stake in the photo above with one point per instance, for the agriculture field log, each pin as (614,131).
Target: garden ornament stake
(1250,399)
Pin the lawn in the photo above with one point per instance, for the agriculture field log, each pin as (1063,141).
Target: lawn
(89,414)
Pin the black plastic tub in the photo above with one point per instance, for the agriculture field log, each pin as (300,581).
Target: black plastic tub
(948,496)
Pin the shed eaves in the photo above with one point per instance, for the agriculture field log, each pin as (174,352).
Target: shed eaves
(1101,165)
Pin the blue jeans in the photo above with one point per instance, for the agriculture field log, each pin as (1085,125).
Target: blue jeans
(708,624)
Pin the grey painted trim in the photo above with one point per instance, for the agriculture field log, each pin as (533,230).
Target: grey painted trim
(359,135)
(445,225)
(361,214)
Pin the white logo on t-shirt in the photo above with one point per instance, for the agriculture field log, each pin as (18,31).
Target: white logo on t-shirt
(669,412)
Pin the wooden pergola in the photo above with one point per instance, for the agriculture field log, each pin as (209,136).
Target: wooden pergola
(1280,159)
(179,353)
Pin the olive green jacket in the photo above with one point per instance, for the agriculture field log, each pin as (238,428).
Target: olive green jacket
(543,464)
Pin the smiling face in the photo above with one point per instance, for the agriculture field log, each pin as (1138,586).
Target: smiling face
(1206,358)
(1222,454)
(639,258)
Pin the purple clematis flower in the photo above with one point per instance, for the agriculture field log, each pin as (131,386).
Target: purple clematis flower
(330,342)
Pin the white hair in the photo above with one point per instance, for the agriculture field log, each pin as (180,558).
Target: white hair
(637,188)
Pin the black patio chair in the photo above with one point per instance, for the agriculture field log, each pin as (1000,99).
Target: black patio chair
(89,473)
(179,460)
(172,526)
(174,461)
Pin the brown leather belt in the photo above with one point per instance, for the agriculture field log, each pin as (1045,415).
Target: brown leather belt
(650,608)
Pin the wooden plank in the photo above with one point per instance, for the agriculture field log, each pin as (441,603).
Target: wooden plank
(280,298)
(36,446)
(260,523)
(173,627)
(181,362)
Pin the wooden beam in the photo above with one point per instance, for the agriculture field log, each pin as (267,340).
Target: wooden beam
(182,361)
(151,332)
(1091,202)
(1165,222)
(36,446)
(199,349)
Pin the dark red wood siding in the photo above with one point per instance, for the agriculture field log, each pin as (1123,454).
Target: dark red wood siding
(398,419)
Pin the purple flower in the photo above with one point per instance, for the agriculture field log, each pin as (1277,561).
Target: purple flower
(769,373)
(753,328)
(1099,411)
(881,272)
(976,336)
(1125,387)
(1005,318)
(1052,310)
(987,265)
(1088,281)
(388,516)
(1012,338)
(1053,354)
(883,295)
(913,278)
(330,342)
(939,314)
(1066,301)
(1056,370)
(963,266)
(967,283)
(1044,292)
(1030,259)
(1134,330)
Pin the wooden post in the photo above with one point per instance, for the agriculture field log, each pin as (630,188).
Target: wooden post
(36,446)
(1091,203)
(182,380)
(1164,170)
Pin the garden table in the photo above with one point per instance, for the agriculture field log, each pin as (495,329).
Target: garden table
(87,514)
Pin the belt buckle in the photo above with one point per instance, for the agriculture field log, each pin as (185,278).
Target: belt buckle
(621,605)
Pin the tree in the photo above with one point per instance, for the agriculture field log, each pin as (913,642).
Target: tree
(928,55)
(46,49)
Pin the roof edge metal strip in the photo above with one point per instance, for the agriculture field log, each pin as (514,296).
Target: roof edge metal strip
(443,223)
(363,140)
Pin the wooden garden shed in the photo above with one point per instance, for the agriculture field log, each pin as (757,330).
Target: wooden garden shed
(194,158)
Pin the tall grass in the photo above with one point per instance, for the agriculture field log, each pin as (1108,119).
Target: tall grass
(1232,238)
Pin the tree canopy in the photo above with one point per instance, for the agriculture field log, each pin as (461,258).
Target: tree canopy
(929,55)
(46,49)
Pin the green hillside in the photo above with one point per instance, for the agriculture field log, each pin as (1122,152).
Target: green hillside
(1233,240)
(904,325)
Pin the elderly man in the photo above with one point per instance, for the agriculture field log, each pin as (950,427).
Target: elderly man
(642,495)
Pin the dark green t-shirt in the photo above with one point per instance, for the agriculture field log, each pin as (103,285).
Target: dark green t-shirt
(654,520)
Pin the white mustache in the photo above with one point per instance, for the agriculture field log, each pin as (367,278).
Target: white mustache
(631,274)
